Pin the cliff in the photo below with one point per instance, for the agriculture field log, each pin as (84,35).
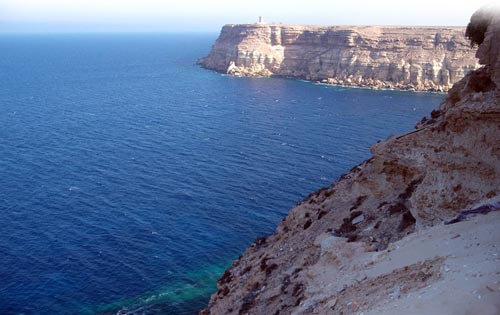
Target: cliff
(413,230)
(417,58)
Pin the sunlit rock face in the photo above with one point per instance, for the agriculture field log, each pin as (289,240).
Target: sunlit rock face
(414,229)
(416,58)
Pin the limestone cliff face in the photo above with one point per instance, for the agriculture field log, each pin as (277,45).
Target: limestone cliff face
(418,58)
(337,251)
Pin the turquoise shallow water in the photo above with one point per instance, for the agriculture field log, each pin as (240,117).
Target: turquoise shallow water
(130,177)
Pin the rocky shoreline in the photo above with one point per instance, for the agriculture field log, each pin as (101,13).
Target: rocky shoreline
(382,85)
(405,232)
(377,57)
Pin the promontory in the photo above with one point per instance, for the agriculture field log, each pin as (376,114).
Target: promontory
(415,229)
(394,57)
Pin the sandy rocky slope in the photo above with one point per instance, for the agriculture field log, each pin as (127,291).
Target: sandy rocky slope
(415,58)
(413,230)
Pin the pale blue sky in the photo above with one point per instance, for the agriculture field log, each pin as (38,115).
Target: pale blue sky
(210,15)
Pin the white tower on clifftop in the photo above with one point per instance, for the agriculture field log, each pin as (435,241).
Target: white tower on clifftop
(261,20)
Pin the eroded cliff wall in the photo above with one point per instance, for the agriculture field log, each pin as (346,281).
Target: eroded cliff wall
(350,248)
(417,58)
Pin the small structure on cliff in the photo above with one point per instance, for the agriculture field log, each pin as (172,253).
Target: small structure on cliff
(393,57)
(374,241)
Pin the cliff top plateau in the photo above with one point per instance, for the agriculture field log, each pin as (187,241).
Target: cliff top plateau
(413,230)
(368,28)
(395,57)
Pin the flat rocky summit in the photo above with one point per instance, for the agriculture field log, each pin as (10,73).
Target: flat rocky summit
(397,57)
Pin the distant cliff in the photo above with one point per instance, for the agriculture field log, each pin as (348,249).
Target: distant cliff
(374,241)
(415,58)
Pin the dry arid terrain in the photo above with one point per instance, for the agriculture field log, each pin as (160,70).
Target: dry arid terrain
(413,230)
(414,58)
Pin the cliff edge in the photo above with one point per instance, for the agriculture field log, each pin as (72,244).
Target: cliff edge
(413,230)
(415,58)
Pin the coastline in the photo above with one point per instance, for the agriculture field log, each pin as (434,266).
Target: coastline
(408,230)
(315,82)
(376,57)
(364,87)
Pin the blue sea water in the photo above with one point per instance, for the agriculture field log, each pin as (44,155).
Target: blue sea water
(130,177)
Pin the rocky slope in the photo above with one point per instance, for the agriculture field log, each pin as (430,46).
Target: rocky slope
(418,58)
(374,242)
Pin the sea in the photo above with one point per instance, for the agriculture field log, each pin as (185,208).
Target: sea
(131,178)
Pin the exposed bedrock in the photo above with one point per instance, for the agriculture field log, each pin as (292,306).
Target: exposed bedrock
(375,241)
(417,58)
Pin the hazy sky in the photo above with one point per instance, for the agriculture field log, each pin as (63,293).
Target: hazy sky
(210,15)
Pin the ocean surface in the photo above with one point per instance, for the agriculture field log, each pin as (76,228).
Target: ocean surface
(130,178)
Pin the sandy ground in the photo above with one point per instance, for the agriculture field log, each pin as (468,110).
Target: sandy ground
(446,269)
(470,273)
